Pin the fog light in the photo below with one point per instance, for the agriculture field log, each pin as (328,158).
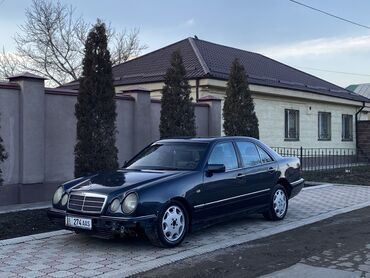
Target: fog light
(114,206)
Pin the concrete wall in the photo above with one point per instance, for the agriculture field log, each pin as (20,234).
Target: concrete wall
(9,131)
(60,136)
(46,140)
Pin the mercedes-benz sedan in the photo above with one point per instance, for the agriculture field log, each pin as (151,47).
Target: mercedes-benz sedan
(174,186)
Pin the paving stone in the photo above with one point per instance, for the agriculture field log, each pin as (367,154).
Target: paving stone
(62,254)
(62,273)
(90,273)
(32,274)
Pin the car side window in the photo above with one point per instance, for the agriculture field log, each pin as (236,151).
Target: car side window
(249,154)
(265,157)
(224,153)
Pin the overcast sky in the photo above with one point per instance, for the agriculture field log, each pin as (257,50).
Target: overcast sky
(279,29)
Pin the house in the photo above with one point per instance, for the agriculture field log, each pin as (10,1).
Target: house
(294,108)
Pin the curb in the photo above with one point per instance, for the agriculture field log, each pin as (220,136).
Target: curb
(24,207)
(23,239)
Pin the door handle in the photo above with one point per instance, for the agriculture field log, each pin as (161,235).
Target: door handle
(271,169)
(239,176)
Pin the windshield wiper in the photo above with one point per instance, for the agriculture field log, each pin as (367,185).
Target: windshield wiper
(165,168)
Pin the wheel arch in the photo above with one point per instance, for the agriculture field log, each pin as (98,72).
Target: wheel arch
(284,183)
(188,208)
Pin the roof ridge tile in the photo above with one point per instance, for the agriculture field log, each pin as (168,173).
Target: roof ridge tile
(199,56)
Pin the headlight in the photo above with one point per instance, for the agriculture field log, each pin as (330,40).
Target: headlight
(64,200)
(129,204)
(114,206)
(58,195)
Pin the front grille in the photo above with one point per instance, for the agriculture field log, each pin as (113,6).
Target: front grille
(86,202)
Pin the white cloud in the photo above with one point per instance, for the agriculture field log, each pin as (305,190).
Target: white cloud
(190,22)
(319,47)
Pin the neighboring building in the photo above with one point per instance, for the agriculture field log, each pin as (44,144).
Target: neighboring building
(363,90)
(293,108)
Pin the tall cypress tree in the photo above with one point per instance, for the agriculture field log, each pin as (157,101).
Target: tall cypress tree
(3,156)
(177,110)
(238,111)
(96,108)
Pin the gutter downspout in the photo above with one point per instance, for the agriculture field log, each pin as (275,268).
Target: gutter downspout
(356,120)
(197,89)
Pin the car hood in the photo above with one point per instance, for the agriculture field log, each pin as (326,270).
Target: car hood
(123,180)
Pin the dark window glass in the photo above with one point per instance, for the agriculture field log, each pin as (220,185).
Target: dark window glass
(265,157)
(324,126)
(170,156)
(347,127)
(291,124)
(249,154)
(224,153)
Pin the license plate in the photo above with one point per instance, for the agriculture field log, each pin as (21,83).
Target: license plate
(78,222)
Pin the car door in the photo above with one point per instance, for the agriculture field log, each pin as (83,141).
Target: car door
(219,190)
(259,173)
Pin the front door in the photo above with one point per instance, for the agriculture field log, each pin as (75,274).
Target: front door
(220,189)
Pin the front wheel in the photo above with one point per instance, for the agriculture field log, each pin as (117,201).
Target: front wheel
(278,205)
(171,226)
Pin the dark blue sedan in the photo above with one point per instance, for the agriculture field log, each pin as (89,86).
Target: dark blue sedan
(174,186)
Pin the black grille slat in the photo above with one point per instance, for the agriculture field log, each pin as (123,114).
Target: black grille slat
(86,203)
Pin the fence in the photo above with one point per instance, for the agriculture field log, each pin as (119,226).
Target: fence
(318,159)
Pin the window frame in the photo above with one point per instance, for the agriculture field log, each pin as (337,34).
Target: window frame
(349,139)
(241,157)
(286,125)
(239,163)
(319,138)
(260,148)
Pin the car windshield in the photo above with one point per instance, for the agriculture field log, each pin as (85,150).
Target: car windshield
(169,156)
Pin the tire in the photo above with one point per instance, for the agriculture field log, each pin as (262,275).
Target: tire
(171,226)
(278,206)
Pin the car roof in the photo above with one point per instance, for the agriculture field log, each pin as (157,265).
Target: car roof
(204,139)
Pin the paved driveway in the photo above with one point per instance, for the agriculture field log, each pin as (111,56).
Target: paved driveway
(63,255)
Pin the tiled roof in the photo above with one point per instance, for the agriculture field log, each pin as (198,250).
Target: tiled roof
(204,59)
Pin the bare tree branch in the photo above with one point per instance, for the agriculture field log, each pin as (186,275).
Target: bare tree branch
(51,43)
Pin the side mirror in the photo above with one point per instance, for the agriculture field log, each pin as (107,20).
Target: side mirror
(215,168)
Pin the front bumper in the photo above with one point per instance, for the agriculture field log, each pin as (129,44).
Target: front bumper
(102,225)
(297,186)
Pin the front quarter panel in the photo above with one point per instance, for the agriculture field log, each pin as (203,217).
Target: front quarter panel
(152,198)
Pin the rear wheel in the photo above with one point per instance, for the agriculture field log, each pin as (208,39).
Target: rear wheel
(171,226)
(278,206)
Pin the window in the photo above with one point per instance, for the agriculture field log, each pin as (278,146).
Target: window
(224,153)
(171,156)
(291,124)
(347,127)
(265,157)
(324,126)
(249,154)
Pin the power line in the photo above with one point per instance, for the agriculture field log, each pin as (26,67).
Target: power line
(329,14)
(333,71)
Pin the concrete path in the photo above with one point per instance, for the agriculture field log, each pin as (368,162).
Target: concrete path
(63,255)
